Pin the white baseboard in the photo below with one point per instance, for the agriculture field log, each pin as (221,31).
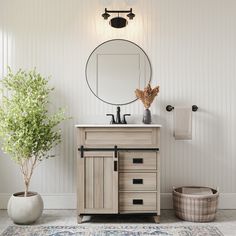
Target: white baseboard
(68,201)
(51,201)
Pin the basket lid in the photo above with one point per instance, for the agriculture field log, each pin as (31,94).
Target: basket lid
(197,190)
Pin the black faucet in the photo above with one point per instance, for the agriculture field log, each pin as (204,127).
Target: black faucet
(118,118)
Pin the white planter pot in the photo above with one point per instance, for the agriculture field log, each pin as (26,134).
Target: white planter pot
(25,210)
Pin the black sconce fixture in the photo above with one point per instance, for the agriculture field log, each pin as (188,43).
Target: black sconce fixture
(118,22)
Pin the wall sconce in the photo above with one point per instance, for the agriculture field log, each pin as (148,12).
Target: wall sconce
(118,22)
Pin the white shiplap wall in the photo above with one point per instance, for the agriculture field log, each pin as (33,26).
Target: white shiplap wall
(192,48)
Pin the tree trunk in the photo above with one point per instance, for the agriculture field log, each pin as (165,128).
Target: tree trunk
(27,168)
(26,188)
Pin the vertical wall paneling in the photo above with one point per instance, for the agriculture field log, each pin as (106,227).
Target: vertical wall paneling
(191,45)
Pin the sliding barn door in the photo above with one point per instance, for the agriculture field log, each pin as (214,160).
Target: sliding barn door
(98,183)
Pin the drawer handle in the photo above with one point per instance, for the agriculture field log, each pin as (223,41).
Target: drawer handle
(115,165)
(137,160)
(137,201)
(137,181)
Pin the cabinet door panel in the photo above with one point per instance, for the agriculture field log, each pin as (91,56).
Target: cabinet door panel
(98,181)
(108,183)
(100,184)
(89,183)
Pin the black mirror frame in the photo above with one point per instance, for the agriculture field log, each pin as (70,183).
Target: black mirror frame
(115,104)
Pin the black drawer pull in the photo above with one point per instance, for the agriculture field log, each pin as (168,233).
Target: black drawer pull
(137,160)
(137,201)
(137,181)
(115,165)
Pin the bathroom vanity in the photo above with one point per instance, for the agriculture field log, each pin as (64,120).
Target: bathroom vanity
(118,165)
(118,170)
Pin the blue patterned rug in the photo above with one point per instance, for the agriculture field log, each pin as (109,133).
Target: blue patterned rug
(112,230)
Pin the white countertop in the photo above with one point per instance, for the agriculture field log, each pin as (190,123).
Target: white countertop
(117,125)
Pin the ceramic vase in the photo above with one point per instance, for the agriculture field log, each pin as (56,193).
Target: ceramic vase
(25,210)
(147,118)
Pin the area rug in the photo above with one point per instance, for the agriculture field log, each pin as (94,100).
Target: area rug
(112,230)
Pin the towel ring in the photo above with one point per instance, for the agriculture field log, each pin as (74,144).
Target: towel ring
(170,108)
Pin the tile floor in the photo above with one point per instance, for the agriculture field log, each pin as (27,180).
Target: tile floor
(225,221)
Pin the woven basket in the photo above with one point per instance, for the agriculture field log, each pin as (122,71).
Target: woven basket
(196,208)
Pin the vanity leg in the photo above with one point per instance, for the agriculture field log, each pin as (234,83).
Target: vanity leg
(79,219)
(157,219)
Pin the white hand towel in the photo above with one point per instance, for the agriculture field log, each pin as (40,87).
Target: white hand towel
(183,123)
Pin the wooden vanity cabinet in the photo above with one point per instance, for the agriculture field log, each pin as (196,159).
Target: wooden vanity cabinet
(118,181)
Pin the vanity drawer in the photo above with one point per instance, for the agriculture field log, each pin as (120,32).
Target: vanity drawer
(137,202)
(137,160)
(122,137)
(137,181)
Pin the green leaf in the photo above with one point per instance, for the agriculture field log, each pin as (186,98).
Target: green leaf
(26,127)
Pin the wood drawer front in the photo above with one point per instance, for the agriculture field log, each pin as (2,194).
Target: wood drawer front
(137,160)
(122,137)
(137,202)
(137,181)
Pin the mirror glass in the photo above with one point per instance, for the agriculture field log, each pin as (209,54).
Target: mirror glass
(115,69)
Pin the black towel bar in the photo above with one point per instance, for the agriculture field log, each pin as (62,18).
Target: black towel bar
(170,108)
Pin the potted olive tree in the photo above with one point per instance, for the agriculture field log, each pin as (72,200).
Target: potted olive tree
(27,133)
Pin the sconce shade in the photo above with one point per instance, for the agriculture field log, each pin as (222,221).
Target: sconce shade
(131,16)
(105,15)
(118,22)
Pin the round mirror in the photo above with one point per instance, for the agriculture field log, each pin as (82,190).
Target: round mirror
(115,69)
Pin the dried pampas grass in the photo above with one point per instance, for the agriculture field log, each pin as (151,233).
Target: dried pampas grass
(147,95)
